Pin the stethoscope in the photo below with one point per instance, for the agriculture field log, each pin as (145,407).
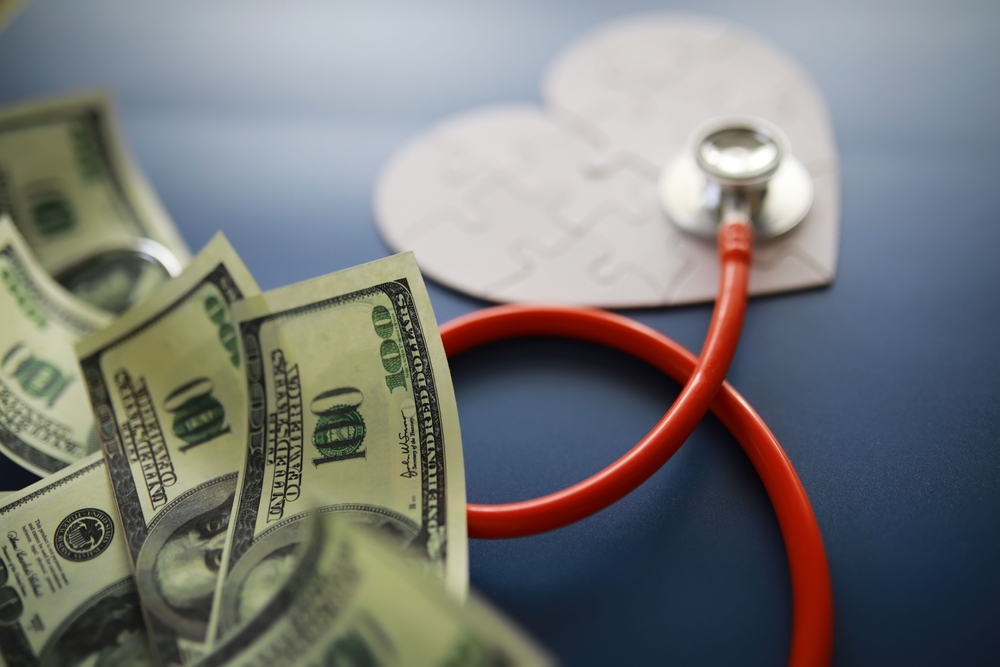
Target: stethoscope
(736,182)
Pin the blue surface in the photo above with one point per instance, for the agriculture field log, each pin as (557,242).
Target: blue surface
(269,121)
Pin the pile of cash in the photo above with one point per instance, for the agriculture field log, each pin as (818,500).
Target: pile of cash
(228,477)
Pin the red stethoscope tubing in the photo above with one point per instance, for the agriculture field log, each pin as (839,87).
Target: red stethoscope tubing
(704,388)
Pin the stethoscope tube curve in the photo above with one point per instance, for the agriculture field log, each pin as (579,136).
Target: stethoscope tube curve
(704,388)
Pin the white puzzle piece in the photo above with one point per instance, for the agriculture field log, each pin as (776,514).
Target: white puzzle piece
(559,204)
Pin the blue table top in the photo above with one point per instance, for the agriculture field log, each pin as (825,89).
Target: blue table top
(270,121)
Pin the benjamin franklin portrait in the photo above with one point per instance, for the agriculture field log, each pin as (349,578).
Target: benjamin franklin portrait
(178,566)
(106,631)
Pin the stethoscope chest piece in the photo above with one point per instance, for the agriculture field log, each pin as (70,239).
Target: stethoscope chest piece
(740,168)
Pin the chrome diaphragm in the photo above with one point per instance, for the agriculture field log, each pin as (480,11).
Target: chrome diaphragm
(736,169)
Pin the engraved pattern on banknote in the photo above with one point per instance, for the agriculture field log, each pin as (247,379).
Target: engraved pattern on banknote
(4,509)
(76,639)
(117,607)
(433,500)
(19,448)
(126,493)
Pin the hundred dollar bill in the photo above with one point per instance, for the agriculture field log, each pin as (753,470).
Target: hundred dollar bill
(81,203)
(166,384)
(350,598)
(45,418)
(66,591)
(350,398)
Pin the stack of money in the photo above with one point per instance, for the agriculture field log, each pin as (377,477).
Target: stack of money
(229,477)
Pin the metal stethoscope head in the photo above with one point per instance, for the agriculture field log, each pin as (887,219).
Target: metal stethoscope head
(736,169)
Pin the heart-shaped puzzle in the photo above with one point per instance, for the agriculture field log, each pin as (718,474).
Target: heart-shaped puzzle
(560,204)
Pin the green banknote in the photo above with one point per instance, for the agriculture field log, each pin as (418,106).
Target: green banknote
(81,203)
(45,418)
(350,598)
(166,382)
(349,399)
(67,595)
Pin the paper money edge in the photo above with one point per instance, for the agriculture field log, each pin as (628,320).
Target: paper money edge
(74,313)
(92,318)
(167,296)
(205,267)
(456,578)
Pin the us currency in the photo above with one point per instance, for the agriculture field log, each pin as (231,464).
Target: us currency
(166,384)
(349,397)
(350,598)
(45,418)
(81,203)
(67,595)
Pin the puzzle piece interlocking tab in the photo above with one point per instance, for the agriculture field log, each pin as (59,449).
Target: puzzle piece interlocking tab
(558,204)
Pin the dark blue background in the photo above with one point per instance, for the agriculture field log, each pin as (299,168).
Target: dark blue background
(270,121)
